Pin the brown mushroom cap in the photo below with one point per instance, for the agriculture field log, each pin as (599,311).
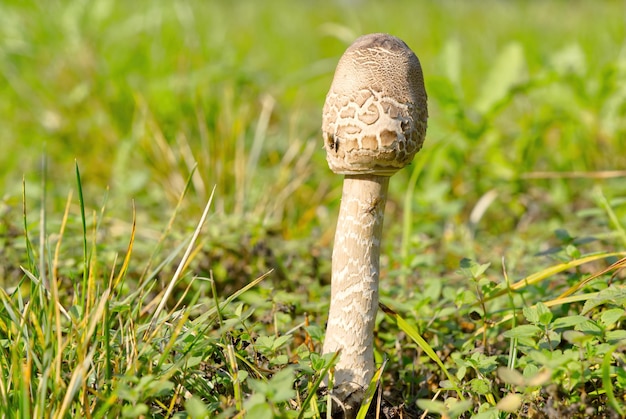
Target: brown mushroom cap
(374,118)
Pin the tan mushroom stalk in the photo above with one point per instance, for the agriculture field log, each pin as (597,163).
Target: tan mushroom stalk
(374,121)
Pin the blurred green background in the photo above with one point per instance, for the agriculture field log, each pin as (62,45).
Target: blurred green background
(137,93)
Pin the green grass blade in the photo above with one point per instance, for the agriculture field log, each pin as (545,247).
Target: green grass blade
(42,224)
(371,391)
(512,356)
(203,318)
(29,246)
(407,219)
(615,219)
(414,334)
(234,373)
(607,384)
(313,390)
(81,202)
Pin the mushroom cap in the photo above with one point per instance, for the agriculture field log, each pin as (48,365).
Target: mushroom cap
(374,118)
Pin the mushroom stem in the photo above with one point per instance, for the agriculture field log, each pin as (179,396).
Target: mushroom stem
(373,122)
(355,272)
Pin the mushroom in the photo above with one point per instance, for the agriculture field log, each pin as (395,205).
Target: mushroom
(374,121)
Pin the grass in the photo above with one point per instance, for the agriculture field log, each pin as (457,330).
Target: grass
(504,245)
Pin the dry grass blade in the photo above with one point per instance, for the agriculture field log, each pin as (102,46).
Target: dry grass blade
(620,264)
(129,251)
(145,274)
(549,303)
(202,319)
(552,270)
(602,174)
(181,265)
(80,372)
(54,287)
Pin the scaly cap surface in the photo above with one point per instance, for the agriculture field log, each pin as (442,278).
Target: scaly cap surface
(375,114)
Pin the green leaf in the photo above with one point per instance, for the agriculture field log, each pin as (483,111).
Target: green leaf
(264,343)
(530,370)
(567,321)
(526,330)
(613,295)
(461,371)
(134,411)
(563,235)
(545,315)
(196,409)
(612,316)
(279,360)
(317,361)
(451,62)
(572,251)
(193,361)
(457,407)
(280,342)
(259,409)
(451,408)
(507,71)
(480,386)
(316,332)
(270,344)
(471,269)
(433,406)
(589,327)
(281,385)
(259,386)
(538,314)
(489,413)
(607,383)
(551,339)
(615,337)
(331,359)
(432,289)
(530,314)
(570,60)
(576,338)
